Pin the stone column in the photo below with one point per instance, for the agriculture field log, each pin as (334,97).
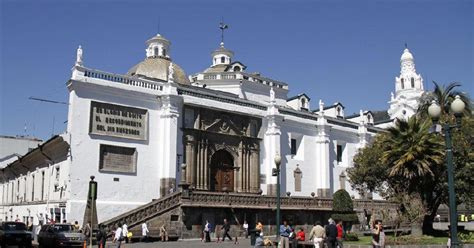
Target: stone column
(240,165)
(190,157)
(272,146)
(206,166)
(322,159)
(254,170)
(198,173)
(168,130)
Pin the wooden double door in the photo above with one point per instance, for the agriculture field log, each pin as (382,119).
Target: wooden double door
(222,172)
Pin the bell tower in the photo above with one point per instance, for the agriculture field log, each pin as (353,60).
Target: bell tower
(408,89)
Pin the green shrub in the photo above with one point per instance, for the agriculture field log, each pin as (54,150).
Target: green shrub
(342,201)
(351,237)
(343,208)
(466,237)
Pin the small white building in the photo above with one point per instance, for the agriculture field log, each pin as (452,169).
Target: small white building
(133,131)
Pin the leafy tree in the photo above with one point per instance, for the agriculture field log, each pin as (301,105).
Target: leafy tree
(368,173)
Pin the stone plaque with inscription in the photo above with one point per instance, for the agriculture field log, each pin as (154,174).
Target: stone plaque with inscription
(117,159)
(119,121)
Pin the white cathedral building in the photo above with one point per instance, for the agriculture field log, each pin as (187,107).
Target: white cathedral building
(134,131)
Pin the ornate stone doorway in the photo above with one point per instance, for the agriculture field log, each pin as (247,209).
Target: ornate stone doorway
(222,172)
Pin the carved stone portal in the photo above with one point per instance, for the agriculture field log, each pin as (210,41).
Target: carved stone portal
(221,151)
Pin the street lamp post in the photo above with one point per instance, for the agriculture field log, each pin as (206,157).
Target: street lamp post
(434,110)
(276,172)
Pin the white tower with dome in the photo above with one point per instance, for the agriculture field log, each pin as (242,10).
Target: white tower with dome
(408,89)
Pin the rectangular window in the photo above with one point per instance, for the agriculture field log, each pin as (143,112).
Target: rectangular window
(57,173)
(293,147)
(117,159)
(33,188)
(339,153)
(42,185)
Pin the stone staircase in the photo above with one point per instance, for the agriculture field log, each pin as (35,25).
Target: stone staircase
(146,212)
(180,211)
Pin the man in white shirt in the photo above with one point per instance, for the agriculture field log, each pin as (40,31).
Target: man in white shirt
(118,236)
(246,229)
(145,232)
(125,232)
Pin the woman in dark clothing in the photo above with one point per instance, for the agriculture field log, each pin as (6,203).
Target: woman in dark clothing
(101,237)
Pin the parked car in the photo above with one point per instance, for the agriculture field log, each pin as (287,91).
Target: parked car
(14,233)
(60,235)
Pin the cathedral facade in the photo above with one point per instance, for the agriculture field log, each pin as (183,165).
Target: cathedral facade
(145,132)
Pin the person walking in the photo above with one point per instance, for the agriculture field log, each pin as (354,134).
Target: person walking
(246,229)
(125,232)
(87,232)
(101,236)
(331,234)
(226,228)
(145,232)
(378,235)
(340,234)
(118,237)
(285,231)
(163,233)
(317,234)
(207,231)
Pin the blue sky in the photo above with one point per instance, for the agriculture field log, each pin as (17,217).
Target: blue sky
(346,51)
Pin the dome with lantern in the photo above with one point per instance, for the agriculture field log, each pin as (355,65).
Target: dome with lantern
(157,62)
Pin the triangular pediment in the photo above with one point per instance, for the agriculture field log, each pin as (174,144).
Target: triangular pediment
(224,125)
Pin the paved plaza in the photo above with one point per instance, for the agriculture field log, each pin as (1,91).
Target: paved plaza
(185,243)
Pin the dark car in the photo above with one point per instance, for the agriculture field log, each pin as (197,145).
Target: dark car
(60,235)
(14,233)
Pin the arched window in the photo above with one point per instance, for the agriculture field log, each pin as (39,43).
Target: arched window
(156,51)
(412,82)
(236,68)
(369,118)
(164,52)
(338,111)
(403,85)
(303,103)
(222,59)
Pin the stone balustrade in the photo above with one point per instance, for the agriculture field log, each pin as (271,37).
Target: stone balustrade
(132,81)
(240,76)
(238,200)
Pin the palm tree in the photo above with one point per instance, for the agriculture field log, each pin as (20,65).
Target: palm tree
(415,161)
(412,151)
(444,95)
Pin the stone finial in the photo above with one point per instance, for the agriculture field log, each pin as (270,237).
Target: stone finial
(79,61)
(321,106)
(392,97)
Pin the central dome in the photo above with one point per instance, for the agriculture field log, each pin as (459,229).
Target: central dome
(157,68)
(157,63)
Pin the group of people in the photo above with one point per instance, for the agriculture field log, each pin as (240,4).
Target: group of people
(208,229)
(122,234)
(332,235)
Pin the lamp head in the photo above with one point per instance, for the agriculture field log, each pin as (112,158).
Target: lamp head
(277,160)
(434,110)
(457,106)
